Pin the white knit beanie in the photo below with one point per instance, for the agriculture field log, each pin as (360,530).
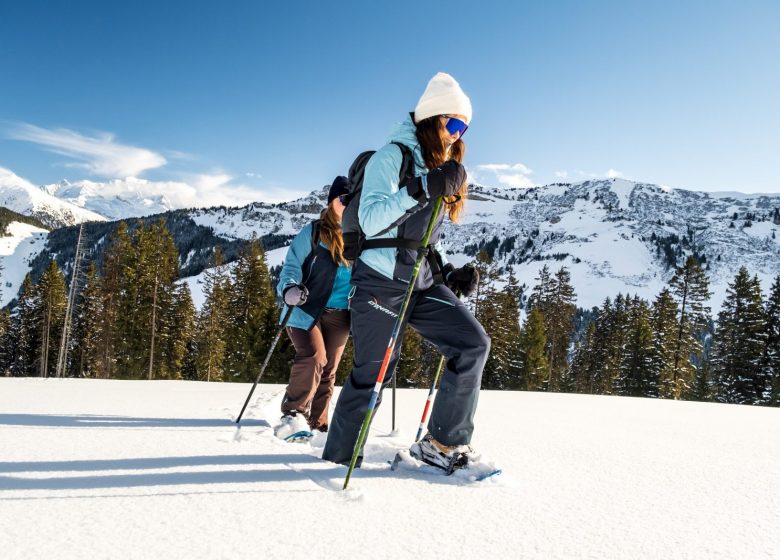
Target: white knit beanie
(443,96)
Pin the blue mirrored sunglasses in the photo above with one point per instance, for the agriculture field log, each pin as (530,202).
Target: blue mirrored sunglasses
(455,126)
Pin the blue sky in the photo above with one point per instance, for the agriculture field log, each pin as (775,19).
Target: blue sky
(255,99)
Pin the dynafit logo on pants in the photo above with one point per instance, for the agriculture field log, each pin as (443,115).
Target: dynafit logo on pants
(375,304)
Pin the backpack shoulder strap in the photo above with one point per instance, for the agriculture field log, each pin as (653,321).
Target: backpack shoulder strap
(357,171)
(407,162)
(315,234)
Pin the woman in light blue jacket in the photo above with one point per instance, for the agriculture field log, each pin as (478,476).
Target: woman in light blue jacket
(315,279)
(394,214)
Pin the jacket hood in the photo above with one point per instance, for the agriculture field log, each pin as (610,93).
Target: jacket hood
(406,133)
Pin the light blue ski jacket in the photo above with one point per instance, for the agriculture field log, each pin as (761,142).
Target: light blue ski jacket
(322,294)
(383,206)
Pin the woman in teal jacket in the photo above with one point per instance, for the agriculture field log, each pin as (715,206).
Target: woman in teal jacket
(397,210)
(315,280)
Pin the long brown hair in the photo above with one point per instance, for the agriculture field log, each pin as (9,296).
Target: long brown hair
(435,153)
(330,234)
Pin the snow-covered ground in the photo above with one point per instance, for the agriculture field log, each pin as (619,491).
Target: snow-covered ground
(17,250)
(135,469)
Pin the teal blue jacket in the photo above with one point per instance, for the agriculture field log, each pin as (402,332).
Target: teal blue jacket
(383,205)
(311,270)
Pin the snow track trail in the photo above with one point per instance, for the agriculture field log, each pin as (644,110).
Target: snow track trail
(140,469)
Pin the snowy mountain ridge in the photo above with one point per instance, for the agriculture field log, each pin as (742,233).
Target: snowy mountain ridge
(115,200)
(21,196)
(614,235)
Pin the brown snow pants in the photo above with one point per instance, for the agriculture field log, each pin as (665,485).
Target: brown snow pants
(312,377)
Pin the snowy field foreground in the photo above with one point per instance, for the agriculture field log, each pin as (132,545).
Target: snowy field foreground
(135,469)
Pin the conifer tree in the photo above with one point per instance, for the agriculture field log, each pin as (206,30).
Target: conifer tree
(690,287)
(180,321)
(636,366)
(702,383)
(212,332)
(156,271)
(771,360)
(560,326)
(554,296)
(533,354)
(26,332)
(253,320)
(117,308)
(600,351)
(582,366)
(52,299)
(665,330)
(86,328)
(5,343)
(509,345)
(488,313)
(542,292)
(5,329)
(503,327)
(740,341)
(611,346)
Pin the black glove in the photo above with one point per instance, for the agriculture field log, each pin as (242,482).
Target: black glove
(295,295)
(462,280)
(445,180)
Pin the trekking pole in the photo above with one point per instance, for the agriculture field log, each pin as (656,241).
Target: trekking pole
(267,359)
(429,400)
(431,393)
(421,254)
(394,384)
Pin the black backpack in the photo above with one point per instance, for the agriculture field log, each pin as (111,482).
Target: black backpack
(354,238)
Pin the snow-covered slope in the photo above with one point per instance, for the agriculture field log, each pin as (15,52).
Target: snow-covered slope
(117,199)
(137,469)
(17,249)
(613,235)
(23,197)
(195,283)
(262,218)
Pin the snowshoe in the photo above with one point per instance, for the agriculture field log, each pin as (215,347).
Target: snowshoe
(449,458)
(477,470)
(293,428)
(298,437)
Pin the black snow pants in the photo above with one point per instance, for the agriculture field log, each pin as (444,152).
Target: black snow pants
(439,317)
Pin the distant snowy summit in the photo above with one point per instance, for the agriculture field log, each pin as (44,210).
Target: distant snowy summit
(116,200)
(21,196)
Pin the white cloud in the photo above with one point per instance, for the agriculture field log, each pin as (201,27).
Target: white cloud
(100,155)
(220,188)
(507,174)
(515,180)
(579,173)
(496,167)
(195,191)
